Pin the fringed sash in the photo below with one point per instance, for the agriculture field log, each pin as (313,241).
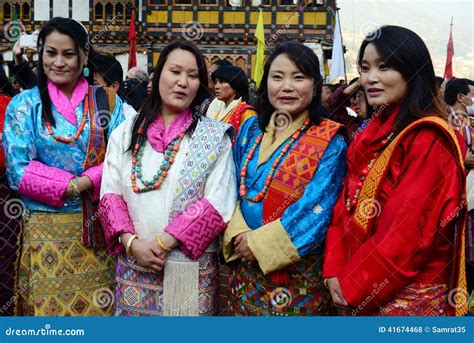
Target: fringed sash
(371,187)
(295,173)
(181,274)
(92,234)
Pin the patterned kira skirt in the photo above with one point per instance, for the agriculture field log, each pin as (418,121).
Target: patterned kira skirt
(298,292)
(57,275)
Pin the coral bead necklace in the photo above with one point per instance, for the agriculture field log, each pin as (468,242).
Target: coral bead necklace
(243,174)
(79,130)
(160,176)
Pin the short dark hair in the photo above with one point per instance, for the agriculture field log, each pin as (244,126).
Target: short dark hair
(235,77)
(453,88)
(307,62)
(404,51)
(109,68)
(330,87)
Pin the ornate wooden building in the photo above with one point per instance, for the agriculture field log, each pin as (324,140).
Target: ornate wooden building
(221,28)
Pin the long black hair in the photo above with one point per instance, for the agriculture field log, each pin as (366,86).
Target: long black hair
(404,51)
(236,78)
(307,62)
(153,104)
(79,35)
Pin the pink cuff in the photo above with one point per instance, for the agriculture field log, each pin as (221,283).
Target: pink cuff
(95,174)
(197,227)
(115,221)
(45,184)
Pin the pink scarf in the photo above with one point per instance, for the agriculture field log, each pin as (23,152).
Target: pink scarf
(67,106)
(160,137)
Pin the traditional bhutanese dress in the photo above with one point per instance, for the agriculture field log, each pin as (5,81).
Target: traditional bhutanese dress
(287,229)
(60,272)
(396,241)
(193,204)
(235,114)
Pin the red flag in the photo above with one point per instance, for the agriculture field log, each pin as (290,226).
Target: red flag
(132,44)
(448,70)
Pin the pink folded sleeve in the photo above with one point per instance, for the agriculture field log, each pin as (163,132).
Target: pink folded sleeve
(115,221)
(196,228)
(95,174)
(45,184)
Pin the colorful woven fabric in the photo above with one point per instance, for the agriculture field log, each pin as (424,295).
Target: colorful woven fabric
(205,148)
(238,115)
(298,168)
(58,276)
(417,300)
(253,294)
(92,235)
(139,292)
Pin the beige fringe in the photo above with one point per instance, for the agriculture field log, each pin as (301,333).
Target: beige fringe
(180,286)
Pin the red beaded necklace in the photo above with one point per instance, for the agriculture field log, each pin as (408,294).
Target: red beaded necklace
(79,130)
(352,203)
(243,174)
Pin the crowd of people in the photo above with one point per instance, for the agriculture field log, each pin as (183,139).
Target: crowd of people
(315,199)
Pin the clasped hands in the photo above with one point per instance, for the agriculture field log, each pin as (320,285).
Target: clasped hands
(148,253)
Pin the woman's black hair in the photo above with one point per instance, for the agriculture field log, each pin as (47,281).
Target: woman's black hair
(404,51)
(133,92)
(5,84)
(236,78)
(153,103)
(79,35)
(307,62)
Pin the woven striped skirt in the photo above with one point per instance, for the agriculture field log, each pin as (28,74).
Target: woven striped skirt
(142,293)
(300,293)
(57,275)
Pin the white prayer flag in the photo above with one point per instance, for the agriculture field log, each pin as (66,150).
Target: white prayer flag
(337,58)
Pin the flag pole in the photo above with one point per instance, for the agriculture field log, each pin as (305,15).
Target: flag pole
(448,69)
(342,43)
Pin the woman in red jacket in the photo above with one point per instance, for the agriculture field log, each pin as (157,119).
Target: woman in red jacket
(396,241)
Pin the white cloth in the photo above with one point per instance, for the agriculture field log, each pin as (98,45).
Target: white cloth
(216,106)
(337,58)
(128,110)
(150,212)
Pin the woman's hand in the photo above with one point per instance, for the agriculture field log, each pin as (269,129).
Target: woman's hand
(336,292)
(243,250)
(148,254)
(84,184)
(169,241)
(351,89)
